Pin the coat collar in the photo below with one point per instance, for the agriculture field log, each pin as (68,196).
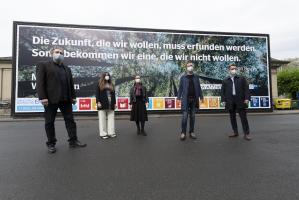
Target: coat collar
(62,64)
(237,76)
(185,75)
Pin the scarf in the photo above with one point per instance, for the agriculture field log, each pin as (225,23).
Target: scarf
(138,90)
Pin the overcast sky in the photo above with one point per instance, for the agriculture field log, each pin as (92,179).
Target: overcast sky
(280,19)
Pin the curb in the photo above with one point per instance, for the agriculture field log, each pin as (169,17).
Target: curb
(7,118)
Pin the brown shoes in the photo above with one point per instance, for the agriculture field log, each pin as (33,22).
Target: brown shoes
(247,137)
(233,135)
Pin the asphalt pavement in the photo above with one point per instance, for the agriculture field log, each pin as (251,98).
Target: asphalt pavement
(156,167)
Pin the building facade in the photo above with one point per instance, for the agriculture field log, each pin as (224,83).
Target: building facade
(5,79)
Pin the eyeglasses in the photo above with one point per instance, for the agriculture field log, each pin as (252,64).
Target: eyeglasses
(60,52)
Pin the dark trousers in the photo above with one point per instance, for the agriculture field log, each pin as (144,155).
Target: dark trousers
(191,112)
(138,125)
(70,124)
(243,117)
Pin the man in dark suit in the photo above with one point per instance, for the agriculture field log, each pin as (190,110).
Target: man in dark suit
(235,95)
(189,94)
(55,89)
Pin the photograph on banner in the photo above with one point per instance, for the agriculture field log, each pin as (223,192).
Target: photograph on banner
(265,102)
(122,103)
(178,104)
(204,104)
(255,102)
(158,103)
(150,104)
(94,105)
(214,102)
(159,57)
(170,103)
(85,104)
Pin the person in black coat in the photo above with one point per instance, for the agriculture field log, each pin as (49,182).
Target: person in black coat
(55,89)
(106,103)
(235,94)
(138,101)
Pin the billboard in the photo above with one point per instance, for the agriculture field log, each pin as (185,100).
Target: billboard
(158,56)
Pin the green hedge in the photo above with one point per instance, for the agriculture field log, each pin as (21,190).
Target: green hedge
(288,82)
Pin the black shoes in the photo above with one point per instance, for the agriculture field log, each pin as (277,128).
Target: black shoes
(73,144)
(112,136)
(143,133)
(77,144)
(108,136)
(51,148)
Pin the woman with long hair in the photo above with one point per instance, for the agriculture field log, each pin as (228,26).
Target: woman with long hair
(106,104)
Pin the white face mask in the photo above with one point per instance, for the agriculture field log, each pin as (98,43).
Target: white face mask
(137,80)
(190,68)
(107,78)
(233,72)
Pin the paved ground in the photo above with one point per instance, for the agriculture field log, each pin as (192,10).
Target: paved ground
(157,167)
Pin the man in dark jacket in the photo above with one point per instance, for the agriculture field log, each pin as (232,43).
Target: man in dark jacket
(235,95)
(189,94)
(55,89)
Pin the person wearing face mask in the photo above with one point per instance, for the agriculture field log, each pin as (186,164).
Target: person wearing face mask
(138,101)
(106,103)
(189,94)
(235,95)
(55,89)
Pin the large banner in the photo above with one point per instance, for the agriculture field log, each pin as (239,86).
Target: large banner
(158,56)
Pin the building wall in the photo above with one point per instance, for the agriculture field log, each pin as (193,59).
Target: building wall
(5,81)
(274,83)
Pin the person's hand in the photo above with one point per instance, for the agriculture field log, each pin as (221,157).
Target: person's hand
(45,102)
(99,105)
(74,101)
(130,106)
(146,104)
(246,101)
(179,100)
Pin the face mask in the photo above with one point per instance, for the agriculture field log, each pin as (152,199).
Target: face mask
(233,72)
(137,80)
(190,69)
(58,58)
(107,78)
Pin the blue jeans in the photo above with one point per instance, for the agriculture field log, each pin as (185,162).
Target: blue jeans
(190,111)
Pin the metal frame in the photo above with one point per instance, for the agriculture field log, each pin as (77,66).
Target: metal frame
(17,23)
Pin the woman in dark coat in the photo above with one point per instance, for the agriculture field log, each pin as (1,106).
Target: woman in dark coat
(138,101)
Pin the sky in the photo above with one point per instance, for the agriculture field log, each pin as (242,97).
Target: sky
(280,19)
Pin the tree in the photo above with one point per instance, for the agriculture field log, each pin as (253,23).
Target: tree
(288,82)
